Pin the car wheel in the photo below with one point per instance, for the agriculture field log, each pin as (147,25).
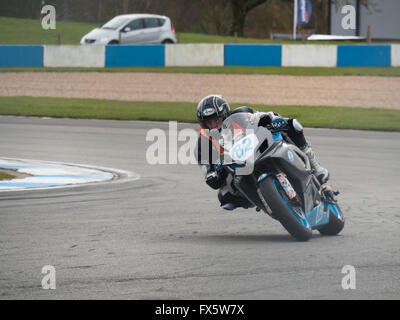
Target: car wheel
(112,42)
(167,41)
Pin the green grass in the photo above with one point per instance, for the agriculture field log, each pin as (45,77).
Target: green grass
(297,71)
(29,31)
(5,176)
(207,38)
(310,116)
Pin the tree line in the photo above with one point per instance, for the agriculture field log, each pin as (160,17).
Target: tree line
(222,17)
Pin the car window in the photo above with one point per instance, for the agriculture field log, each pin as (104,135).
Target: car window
(136,24)
(152,22)
(161,22)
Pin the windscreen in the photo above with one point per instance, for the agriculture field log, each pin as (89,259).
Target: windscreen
(234,129)
(115,23)
(237,124)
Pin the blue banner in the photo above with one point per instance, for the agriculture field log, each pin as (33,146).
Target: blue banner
(304,11)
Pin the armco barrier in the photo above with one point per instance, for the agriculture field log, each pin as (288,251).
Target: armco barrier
(363,56)
(21,56)
(135,56)
(308,55)
(73,56)
(253,55)
(200,54)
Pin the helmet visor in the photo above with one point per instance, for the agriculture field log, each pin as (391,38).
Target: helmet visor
(213,123)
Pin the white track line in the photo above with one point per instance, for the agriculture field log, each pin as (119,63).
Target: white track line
(112,175)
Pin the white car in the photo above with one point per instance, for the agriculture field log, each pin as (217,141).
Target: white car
(132,29)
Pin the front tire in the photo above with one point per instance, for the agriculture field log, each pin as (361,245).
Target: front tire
(336,221)
(282,210)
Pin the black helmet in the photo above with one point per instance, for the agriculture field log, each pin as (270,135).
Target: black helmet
(212,107)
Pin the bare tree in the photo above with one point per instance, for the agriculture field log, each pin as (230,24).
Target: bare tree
(240,9)
(125,6)
(216,17)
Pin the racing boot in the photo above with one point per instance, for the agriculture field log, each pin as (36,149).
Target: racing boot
(320,172)
(228,206)
(231,201)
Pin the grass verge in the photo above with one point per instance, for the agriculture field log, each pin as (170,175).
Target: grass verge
(5,176)
(296,71)
(309,116)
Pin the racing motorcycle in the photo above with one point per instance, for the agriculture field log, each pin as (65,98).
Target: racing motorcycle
(276,177)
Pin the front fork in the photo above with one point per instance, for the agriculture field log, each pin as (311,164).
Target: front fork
(266,208)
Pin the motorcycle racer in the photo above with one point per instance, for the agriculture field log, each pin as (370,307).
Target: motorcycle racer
(212,110)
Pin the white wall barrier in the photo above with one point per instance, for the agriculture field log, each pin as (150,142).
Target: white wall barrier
(395,54)
(201,54)
(294,55)
(73,56)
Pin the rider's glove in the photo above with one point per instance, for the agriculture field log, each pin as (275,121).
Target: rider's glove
(217,165)
(279,124)
(214,180)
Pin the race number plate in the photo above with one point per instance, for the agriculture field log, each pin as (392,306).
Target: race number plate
(244,148)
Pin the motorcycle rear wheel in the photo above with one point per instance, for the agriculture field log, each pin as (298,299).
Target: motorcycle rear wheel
(276,198)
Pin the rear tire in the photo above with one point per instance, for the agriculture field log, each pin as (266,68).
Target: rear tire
(335,224)
(282,210)
(167,41)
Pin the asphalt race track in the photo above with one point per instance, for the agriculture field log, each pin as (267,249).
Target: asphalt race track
(164,237)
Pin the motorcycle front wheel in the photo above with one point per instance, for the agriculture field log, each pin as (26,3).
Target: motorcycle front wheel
(290,215)
(336,221)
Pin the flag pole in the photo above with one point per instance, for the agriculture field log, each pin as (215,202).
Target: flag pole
(294,19)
